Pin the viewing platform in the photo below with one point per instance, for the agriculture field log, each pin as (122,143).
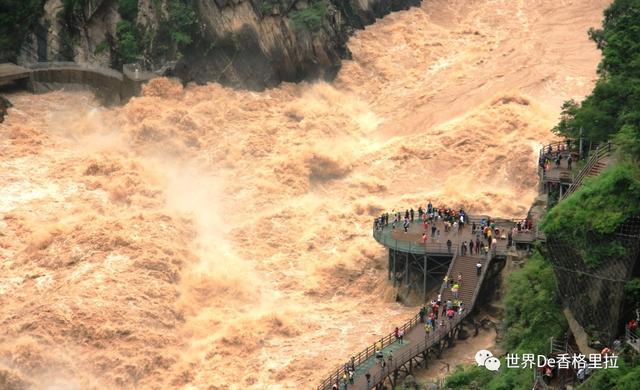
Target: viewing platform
(420,262)
(414,263)
(420,266)
(418,346)
(410,242)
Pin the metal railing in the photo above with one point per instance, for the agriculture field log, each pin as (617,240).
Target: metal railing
(632,338)
(412,352)
(66,65)
(561,346)
(436,335)
(409,246)
(602,151)
(566,145)
(367,353)
(384,237)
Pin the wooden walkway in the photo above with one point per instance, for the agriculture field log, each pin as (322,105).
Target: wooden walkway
(418,346)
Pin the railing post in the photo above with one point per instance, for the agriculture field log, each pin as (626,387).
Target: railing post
(394,267)
(424,280)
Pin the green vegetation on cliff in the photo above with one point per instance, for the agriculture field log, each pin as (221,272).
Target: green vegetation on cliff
(588,218)
(17,19)
(612,110)
(626,377)
(128,48)
(309,18)
(181,22)
(532,317)
(127,42)
(134,42)
(128,9)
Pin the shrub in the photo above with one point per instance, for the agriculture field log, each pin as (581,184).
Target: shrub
(128,9)
(309,18)
(127,46)
(17,18)
(588,218)
(102,47)
(182,23)
(626,377)
(632,291)
(614,103)
(266,7)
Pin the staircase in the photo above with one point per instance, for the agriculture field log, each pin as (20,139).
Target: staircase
(597,163)
(633,339)
(465,265)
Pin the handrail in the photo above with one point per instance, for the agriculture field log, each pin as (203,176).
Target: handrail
(384,341)
(430,247)
(539,380)
(632,338)
(585,170)
(574,143)
(480,280)
(601,152)
(390,338)
(68,65)
(368,352)
(435,335)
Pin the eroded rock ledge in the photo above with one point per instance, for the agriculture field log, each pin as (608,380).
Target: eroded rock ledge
(259,43)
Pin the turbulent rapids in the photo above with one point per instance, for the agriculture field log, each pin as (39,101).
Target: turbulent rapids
(204,237)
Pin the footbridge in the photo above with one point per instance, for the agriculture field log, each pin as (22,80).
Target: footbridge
(10,73)
(109,85)
(418,346)
(413,262)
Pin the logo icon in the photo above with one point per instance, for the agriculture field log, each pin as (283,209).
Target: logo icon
(482,355)
(485,358)
(492,363)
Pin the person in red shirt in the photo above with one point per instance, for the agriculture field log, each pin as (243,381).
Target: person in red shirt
(450,314)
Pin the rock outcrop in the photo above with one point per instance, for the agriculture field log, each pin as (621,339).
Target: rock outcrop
(5,104)
(250,45)
(243,43)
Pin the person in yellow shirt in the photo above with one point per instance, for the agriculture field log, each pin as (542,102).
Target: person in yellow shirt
(427,328)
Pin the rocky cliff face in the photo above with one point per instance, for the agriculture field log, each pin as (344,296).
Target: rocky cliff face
(258,43)
(244,43)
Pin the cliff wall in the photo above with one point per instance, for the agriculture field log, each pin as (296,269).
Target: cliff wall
(243,43)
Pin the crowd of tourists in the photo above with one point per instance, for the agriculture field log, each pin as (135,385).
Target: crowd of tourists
(437,313)
(432,218)
(433,315)
(427,215)
(563,151)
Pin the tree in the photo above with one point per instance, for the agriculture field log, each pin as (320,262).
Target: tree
(17,19)
(614,103)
